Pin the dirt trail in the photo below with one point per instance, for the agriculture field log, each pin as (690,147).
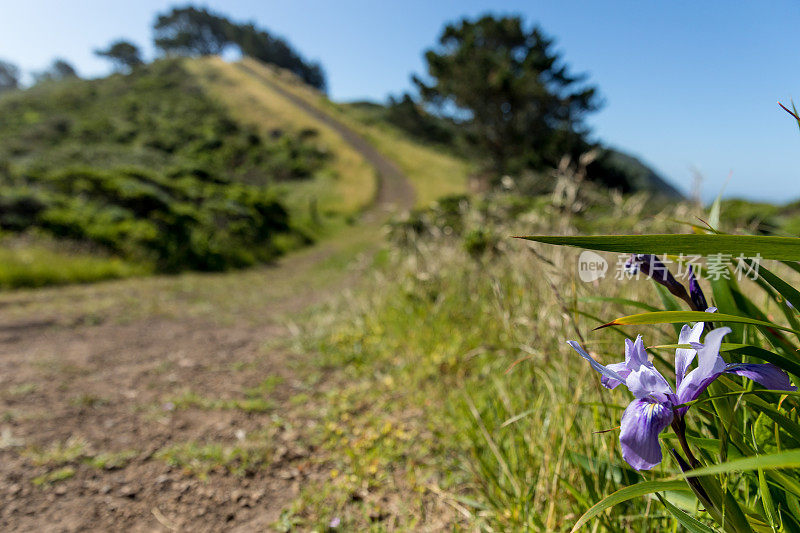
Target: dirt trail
(104,385)
(393,187)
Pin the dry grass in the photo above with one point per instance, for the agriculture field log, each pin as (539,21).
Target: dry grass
(433,173)
(455,384)
(347,187)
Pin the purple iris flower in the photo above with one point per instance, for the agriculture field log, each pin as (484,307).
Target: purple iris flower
(652,266)
(696,293)
(656,403)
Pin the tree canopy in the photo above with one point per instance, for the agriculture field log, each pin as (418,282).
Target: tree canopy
(198,31)
(519,103)
(192,31)
(260,45)
(124,55)
(9,76)
(59,69)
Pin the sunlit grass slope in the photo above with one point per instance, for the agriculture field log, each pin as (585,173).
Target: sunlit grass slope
(433,173)
(36,264)
(348,184)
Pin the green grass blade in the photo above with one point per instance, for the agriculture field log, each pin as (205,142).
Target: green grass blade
(725,302)
(764,246)
(788,292)
(691,524)
(628,493)
(673,317)
(620,301)
(766,500)
(787,459)
(714,212)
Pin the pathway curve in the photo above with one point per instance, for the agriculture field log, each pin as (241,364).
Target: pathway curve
(394,187)
(118,386)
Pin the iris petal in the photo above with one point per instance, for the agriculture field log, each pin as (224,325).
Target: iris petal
(642,422)
(767,375)
(621,369)
(685,356)
(648,382)
(635,354)
(709,366)
(696,293)
(605,371)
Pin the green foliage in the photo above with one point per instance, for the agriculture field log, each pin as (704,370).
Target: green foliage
(201,459)
(478,242)
(191,31)
(741,434)
(149,169)
(197,31)
(259,44)
(112,460)
(254,402)
(62,474)
(503,422)
(410,117)
(41,262)
(489,413)
(124,55)
(9,76)
(511,91)
(622,171)
(58,70)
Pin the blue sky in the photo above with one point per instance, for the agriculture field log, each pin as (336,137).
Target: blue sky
(688,86)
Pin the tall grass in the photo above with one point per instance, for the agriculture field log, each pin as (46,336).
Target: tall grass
(459,341)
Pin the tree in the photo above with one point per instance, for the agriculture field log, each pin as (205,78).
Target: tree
(9,76)
(197,31)
(124,55)
(518,102)
(59,69)
(411,117)
(192,31)
(259,44)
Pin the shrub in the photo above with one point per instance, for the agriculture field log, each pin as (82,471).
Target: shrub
(149,168)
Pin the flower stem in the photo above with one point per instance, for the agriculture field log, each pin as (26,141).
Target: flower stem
(679,426)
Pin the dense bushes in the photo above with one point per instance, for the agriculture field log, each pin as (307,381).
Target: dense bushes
(175,222)
(149,168)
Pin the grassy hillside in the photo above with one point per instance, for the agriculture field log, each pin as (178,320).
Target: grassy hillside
(433,172)
(346,185)
(182,164)
(192,163)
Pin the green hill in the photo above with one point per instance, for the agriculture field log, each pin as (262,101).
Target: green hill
(149,169)
(613,167)
(635,176)
(433,170)
(183,164)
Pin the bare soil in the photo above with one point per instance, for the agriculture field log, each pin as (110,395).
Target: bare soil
(122,369)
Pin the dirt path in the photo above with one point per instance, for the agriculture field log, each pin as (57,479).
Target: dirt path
(393,187)
(168,403)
